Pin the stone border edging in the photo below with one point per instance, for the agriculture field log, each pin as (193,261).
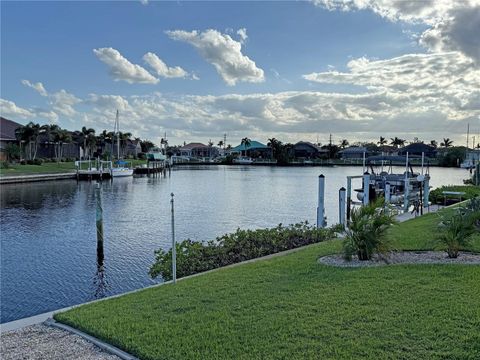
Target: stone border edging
(103,345)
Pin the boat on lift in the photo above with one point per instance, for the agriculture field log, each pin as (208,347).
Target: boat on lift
(243,160)
(405,188)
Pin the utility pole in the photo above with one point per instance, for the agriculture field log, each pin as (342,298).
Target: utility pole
(468,133)
(224,140)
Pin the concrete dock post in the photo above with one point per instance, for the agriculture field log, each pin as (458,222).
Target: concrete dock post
(321,202)
(426,191)
(341,206)
(387,193)
(174,247)
(366,189)
(349,197)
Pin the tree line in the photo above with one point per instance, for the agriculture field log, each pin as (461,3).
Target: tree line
(30,135)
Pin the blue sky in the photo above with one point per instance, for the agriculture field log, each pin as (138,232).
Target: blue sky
(299,72)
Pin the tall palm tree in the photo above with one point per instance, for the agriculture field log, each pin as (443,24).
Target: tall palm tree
(274,144)
(85,133)
(446,143)
(29,134)
(434,143)
(382,141)
(344,143)
(220,144)
(246,142)
(397,142)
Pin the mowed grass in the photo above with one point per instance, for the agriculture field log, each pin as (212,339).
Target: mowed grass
(49,168)
(292,307)
(45,168)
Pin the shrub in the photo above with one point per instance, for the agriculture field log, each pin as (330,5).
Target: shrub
(195,257)
(457,227)
(23,162)
(30,162)
(4,165)
(37,162)
(470,191)
(366,232)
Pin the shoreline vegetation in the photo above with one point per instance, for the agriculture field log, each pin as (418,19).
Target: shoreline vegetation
(293,305)
(52,168)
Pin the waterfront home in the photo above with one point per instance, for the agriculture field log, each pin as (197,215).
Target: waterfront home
(387,150)
(7,135)
(198,150)
(354,152)
(254,149)
(417,149)
(307,150)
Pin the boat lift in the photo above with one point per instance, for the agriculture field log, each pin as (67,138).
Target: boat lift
(399,190)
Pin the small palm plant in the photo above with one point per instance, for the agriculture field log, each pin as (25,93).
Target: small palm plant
(366,233)
(456,228)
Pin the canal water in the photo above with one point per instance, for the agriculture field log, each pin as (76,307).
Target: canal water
(49,256)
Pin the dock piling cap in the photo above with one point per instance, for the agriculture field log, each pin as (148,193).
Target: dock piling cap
(321,176)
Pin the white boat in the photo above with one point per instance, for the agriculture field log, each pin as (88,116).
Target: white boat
(467,164)
(243,160)
(121,169)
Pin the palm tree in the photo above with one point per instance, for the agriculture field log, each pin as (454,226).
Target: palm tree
(397,142)
(382,141)
(84,136)
(91,143)
(220,144)
(446,143)
(434,143)
(246,142)
(274,144)
(61,137)
(29,134)
(344,143)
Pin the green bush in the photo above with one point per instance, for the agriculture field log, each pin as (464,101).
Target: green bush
(37,162)
(457,227)
(366,232)
(195,257)
(470,191)
(4,165)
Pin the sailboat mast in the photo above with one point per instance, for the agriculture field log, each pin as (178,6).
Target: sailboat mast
(117,126)
(468,133)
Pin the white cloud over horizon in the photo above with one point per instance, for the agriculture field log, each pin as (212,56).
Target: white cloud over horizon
(453,25)
(122,69)
(161,69)
(224,53)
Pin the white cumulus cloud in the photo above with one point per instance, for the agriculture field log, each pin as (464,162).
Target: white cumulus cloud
(224,53)
(122,69)
(161,69)
(453,25)
(10,110)
(38,87)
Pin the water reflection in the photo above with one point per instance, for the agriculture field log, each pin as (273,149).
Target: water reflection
(100,282)
(33,196)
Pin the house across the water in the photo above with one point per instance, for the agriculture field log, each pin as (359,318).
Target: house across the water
(255,150)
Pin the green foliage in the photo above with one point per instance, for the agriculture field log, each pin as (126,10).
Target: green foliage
(292,307)
(195,257)
(366,232)
(470,191)
(12,151)
(457,227)
(4,165)
(452,156)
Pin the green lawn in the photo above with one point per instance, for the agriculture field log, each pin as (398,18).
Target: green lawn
(47,168)
(292,307)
